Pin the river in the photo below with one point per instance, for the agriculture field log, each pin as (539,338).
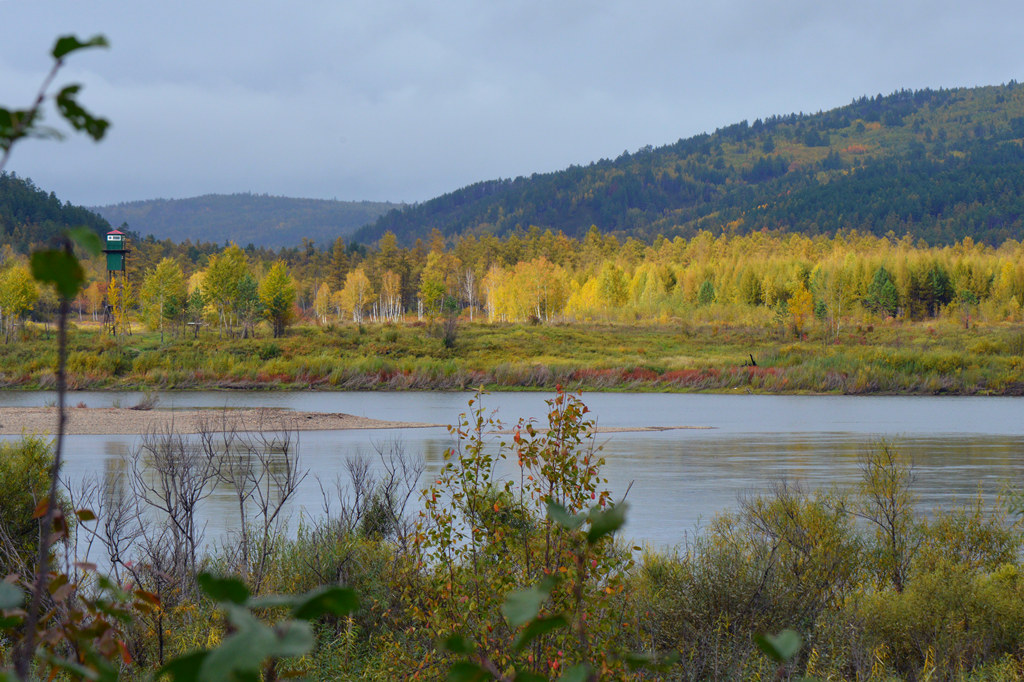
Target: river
(678,479)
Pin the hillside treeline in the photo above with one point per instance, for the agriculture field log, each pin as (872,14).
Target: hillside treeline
(30,217)
(941,165)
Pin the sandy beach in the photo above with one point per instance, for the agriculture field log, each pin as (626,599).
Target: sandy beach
(119,420)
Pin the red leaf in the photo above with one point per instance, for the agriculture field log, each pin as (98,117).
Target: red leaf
(125,656)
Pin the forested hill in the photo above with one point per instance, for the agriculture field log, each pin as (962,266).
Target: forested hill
(940,165)
(257,219)
(30,217)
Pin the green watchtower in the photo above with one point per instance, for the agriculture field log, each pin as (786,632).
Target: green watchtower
(115,308)
(117,249)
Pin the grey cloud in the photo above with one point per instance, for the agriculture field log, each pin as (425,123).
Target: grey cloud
(403,100)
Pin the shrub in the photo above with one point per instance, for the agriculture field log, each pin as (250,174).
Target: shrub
(485,538)
(972,536)
(268,351)
(25,471)
(786,559)
(947,620)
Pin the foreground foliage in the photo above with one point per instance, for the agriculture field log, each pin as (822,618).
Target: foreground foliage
(509,571)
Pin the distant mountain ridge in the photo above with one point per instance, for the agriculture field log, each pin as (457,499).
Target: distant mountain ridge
(937,164)
(259,219)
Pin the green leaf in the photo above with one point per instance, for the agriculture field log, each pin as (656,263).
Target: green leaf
(241,655)
(184,667)
(577,673)
(539,627)
(457,644)
(87,239)
(522,606)
(85,515)
(18,123)
(65,45)
(464,671)
(77,116)
(8,135)
(239,616)
(559,515)
(781,647)
(604,523)
(9,622)
(338,601)
(294,638)
(230,590)
(271,601)
(60,269)
(10,596)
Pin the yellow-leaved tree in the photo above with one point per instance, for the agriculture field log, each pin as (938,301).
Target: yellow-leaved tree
(18,293)
(222,285)
(391,296)
(322,303)
(356,294)
(801,309)
(163,296)
(277,295)
(121,296)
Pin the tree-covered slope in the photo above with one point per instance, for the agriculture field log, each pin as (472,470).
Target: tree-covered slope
(941,165)
(30,216)
(257,219)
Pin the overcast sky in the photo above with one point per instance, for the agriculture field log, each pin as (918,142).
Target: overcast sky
(402,101)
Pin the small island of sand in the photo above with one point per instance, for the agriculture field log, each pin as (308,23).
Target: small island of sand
(117,420)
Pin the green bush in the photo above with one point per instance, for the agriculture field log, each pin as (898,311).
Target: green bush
(25,471)
(946,621)
(974,536)
(784,560)
(268,351)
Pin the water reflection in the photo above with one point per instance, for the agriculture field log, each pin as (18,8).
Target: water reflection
(677,484)
(680,479)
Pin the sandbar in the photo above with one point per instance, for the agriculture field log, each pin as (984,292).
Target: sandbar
(84,421)
(121,420)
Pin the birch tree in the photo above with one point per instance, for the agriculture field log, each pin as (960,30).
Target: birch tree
(18,293)
(163,296)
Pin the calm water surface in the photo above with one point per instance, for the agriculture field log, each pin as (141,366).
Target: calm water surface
(679,479)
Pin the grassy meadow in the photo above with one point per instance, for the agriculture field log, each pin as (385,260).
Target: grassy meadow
(933,357)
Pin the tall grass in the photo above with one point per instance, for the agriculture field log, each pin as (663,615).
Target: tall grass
(913,358)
